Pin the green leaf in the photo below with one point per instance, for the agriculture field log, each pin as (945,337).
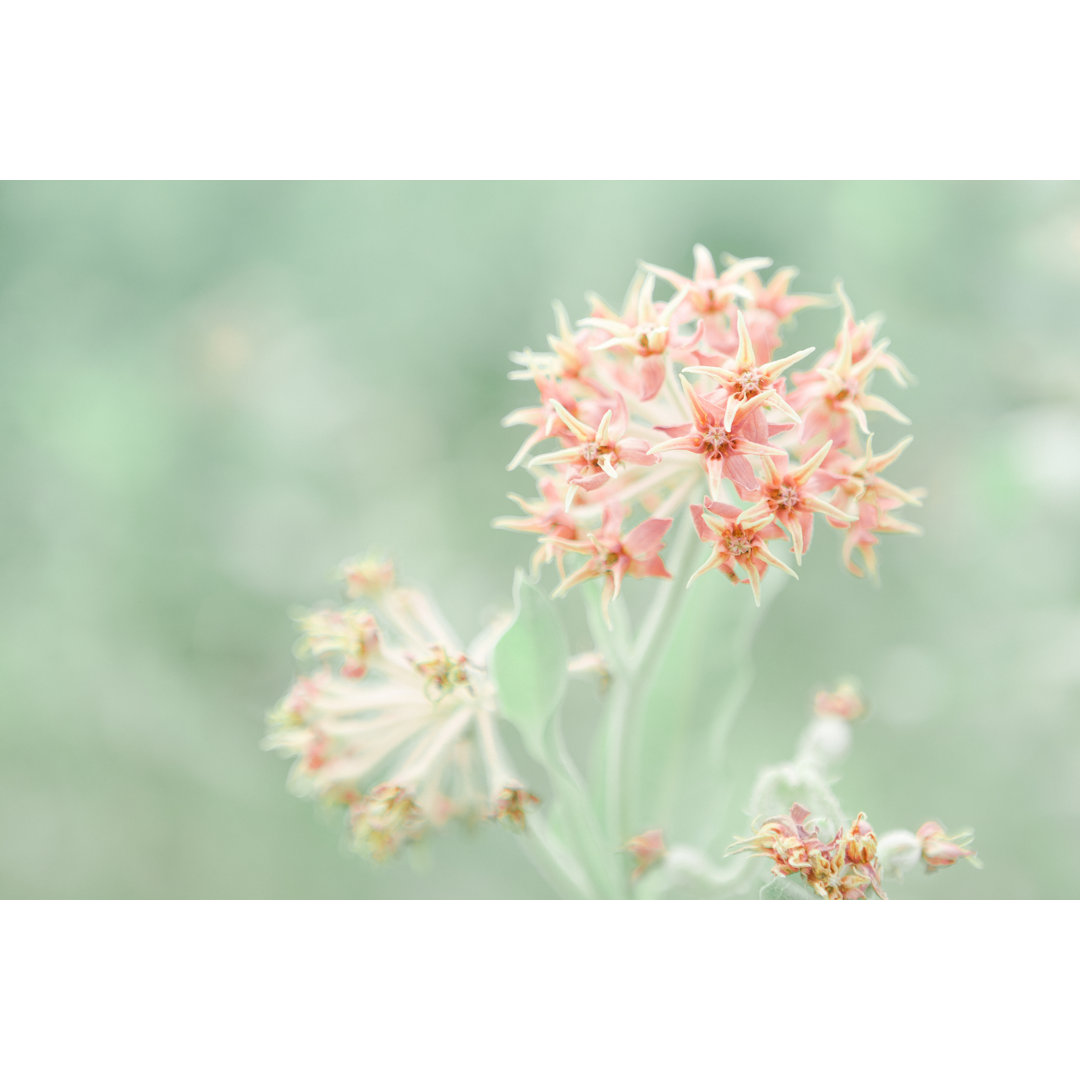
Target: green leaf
(529,664)
(792,887)
(694,696)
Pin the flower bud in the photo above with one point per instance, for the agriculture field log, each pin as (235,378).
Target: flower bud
(352,635)
(366,578)
(442,672)
(899,852)
(647,850)
(385,820)
(843,703)
(941,850)
(825,742)
(511,805)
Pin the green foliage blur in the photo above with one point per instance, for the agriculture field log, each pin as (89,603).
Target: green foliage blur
(212,393)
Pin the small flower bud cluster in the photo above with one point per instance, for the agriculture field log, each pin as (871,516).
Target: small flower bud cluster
(396,721)
(676,406)
(903,851)
(827,738)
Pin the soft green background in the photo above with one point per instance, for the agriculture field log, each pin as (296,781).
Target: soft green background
(211,393)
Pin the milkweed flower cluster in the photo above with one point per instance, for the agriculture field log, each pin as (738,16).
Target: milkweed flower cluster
(688,408)
(684,405)
(395,721)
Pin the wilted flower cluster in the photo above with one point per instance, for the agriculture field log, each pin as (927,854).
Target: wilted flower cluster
(395,721)
(853,860)
(842,868)
(684,405)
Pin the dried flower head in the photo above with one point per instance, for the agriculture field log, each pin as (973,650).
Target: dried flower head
(511,805)
(842,868)
(397,720)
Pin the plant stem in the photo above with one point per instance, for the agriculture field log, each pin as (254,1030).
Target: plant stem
(631,670)
(555,863)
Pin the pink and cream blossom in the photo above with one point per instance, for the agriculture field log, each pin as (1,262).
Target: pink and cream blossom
(397,720)
(644,412)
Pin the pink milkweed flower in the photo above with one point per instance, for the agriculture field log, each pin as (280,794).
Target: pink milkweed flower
(724,328)
(859,478)
(647,849)
(366,576)
(595,453)
(862,334)
(862,536)
(835,393)
(861,488)
(543,417)
(827,739)
(708,293)
(843,703)
(775,297)
(548,517)
(766,309)
(736,545)
(727,448)
(570,357)
(614,557)
(571,362)
(940,850)
(646,330)
(745,379)
(787,498)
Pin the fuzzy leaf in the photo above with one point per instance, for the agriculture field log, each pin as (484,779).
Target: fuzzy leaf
(529,664)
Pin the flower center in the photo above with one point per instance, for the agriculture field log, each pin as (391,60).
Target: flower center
(592,452)
(738,543)
(786,497)
(651,339)
(442,672)
(748,384)
(716,441)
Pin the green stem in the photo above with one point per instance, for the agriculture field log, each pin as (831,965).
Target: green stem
(598,855)
(555,863)
(631,668)
(655,632)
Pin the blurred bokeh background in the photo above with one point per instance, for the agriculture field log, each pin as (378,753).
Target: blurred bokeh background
(212,393)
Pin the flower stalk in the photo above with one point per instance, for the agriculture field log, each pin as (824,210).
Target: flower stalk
(675,445)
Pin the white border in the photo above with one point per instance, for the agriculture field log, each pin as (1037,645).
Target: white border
(548,90)
(535,989)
